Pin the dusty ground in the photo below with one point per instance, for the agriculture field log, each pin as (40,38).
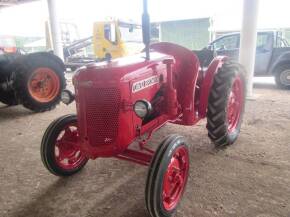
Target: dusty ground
(250,178)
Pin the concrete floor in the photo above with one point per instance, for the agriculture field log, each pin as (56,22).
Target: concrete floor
(250,178)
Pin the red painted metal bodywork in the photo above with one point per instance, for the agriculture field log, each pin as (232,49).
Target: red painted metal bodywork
(185,71)
(106,92)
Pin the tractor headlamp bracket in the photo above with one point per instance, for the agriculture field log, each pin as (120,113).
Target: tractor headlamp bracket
(67,97)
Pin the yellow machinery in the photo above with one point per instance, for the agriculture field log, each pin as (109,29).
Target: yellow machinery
(115,38)
(111,39)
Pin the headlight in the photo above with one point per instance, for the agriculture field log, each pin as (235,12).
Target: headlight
(67,97)
(142,108)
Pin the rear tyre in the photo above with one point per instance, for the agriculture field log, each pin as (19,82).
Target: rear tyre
(282,76)
(167,177)
(226,104)
(60,148)
(6,73)
(8,98)
(39,81)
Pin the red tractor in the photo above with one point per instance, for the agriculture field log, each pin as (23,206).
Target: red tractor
(126,100)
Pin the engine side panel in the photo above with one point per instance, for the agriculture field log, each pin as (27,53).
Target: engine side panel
(105,95)
(185,76)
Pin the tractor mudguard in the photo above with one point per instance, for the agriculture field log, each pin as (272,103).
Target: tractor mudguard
(186,68)
(207,83)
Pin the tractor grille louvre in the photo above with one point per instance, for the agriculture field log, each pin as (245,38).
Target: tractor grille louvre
(103,106)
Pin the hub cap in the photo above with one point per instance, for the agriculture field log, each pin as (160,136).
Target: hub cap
(44,85)
(235,104)
(285,77)
(175,178)
(67,150)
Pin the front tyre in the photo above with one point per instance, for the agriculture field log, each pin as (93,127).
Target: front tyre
(226,104)
(60,148)
(167,177)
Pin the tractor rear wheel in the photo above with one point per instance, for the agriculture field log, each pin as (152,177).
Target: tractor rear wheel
(167,177)
(60,148)
(39,81)
(226,104)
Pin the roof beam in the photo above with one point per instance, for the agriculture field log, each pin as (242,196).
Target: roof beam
(6,3)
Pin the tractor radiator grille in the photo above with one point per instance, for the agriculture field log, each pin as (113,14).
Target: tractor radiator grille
(102,115)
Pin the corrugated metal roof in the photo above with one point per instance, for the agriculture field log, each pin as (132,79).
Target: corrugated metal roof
(6,3)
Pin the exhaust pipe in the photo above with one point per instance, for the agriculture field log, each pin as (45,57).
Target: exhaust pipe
(146,29)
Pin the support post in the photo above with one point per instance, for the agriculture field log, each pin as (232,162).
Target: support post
(248,41)
(55,28)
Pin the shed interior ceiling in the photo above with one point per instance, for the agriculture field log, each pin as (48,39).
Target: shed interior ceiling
(6,3)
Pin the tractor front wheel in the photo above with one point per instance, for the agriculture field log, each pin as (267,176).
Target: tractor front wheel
(60,147)
(226,104)
(167,177)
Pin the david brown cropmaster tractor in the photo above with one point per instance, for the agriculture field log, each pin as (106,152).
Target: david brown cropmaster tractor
(126,100)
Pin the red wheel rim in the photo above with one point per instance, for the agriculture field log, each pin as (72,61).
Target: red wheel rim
(68,154)
(235,104)
(175,178)
(43,85)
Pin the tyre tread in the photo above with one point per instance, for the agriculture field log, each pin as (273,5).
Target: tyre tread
(217,103)
(45,146)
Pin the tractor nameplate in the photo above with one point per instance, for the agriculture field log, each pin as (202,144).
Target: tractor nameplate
(140,85)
